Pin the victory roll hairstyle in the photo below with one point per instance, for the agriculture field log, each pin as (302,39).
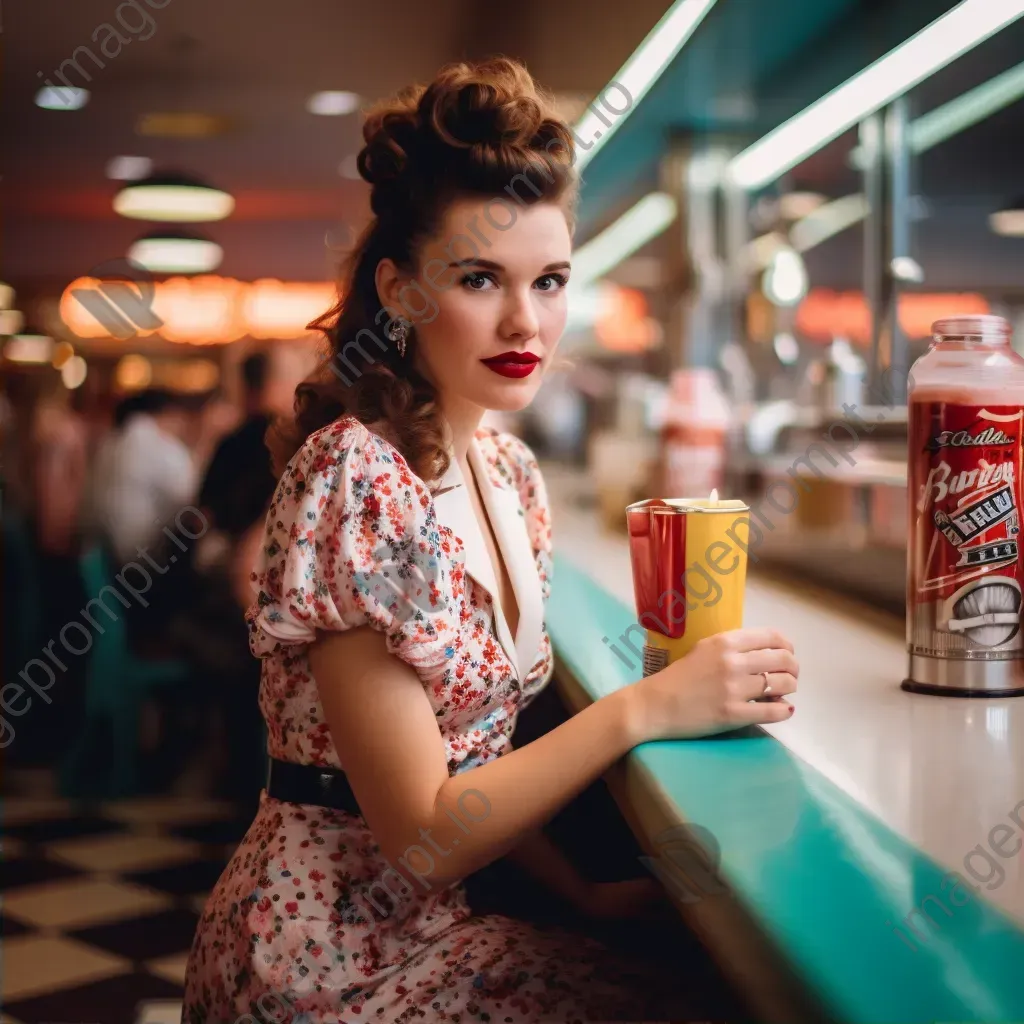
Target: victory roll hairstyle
(477,130)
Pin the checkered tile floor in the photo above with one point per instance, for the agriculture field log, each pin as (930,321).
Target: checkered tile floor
(100,904)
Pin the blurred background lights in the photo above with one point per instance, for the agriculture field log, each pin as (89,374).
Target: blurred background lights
(29,348)
(11,321)
(795,205)
(64,97)
(173,197)
(349,168)
(62,352)
(129,168)
(133,372)
(786,348)
(333,103)
(785,281)
(73,373)
(168,252)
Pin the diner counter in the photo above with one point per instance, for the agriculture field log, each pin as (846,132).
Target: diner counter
(838,828)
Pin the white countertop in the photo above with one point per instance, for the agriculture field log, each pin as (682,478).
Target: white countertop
(939,771)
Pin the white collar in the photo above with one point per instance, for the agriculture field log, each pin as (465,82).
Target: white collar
(507,516)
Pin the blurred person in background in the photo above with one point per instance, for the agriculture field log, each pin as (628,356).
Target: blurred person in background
(385,618)
(41,547)
(59,461)
(239,481)
(100,472)
(209,628)
(150,474)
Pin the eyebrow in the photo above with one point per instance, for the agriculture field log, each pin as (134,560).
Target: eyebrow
(491,265)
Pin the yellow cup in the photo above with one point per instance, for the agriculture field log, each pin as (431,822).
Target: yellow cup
(689,559)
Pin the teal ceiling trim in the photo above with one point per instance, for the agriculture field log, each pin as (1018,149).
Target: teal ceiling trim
(711,86)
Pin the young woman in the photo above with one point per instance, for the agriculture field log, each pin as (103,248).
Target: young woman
(400,615)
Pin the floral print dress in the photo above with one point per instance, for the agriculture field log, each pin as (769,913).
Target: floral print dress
(308,923)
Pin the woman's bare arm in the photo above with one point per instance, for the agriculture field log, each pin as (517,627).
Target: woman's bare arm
(385,731)
(386,734)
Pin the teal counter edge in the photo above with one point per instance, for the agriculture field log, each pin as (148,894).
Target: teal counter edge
(827,881)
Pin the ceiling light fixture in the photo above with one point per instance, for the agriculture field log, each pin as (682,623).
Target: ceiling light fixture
(129,168)
(29,347)
(176,252)
(1009,221)
(55,97)
(11,322)
(641,71)
(333,103)
(828,220)
(173,197)
(796,205)
(959,114)
(634,229)
(959,30)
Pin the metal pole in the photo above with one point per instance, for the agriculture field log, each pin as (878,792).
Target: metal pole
(679,277)
(897,153)
(875,263)
(703,244)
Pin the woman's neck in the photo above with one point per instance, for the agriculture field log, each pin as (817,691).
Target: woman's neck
(463,419)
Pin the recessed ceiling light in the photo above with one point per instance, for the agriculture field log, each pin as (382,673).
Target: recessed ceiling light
(173,197)
(129,168)
(1009,222)
(176,252)
(349,168)
(333,103)
(53,97)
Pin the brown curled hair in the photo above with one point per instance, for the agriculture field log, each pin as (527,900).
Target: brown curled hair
(479,129)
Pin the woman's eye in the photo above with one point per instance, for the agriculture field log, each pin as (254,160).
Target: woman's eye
(552,282)
(476,282)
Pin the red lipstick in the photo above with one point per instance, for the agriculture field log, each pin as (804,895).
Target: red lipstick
(512,364)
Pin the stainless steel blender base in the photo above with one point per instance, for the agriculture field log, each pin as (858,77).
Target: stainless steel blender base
(965,677)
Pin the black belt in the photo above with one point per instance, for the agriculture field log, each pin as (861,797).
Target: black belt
(310,784)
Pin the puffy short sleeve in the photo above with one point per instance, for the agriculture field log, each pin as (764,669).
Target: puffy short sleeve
(352,540)
(533,495)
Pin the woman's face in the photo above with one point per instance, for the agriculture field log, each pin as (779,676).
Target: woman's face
(488,303)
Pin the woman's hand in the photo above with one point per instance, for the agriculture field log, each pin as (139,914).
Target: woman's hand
(711,689)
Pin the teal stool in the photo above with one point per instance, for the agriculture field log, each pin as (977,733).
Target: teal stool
(116,684)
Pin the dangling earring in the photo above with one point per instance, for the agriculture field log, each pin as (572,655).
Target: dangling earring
(398,332)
